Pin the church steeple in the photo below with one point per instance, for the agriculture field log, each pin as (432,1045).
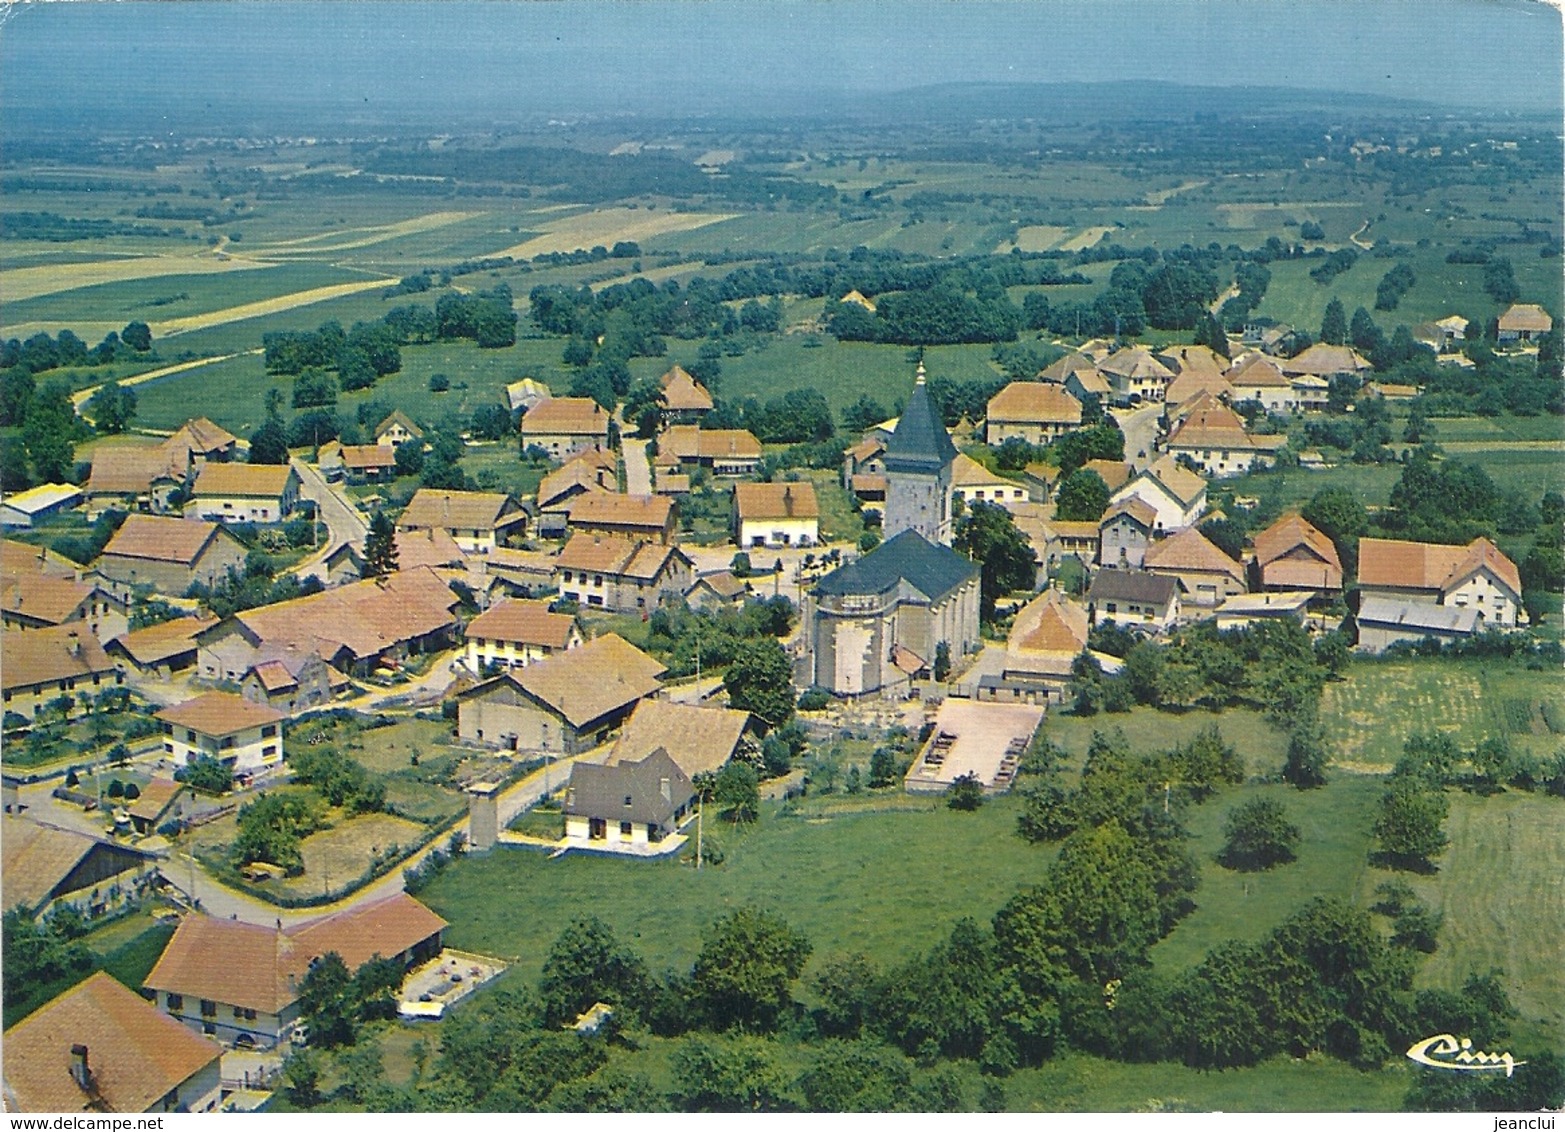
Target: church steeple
(918,469)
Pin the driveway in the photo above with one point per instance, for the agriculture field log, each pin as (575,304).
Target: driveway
(638,473)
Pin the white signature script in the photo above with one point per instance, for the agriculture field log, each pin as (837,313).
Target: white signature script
(1443,1051)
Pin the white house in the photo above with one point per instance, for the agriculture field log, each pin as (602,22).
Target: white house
(514,634)
(220,725)
(1176,495)
(776,514)
(244,493)
(1477,576)
(972,483)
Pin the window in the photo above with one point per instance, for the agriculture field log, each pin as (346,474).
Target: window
(208,1008)
(624,829)
(627,799)
(269,751)
(269,730)
(176,1002)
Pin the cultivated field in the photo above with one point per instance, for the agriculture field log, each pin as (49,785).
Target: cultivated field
(606,227)
(47,279)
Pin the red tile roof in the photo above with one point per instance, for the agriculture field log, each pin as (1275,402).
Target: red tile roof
(761,501)
(1034,402)
(251,481)
(684,393)
(219,713)
(566,416)
(43,656)
(1432,566)
(162,538)
(1293,533)
(525,622)
(1188,550)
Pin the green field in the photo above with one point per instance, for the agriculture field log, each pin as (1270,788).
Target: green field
(1262,746)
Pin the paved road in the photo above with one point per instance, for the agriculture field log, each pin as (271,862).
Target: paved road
(1140,429)
(638,473)
(344,522)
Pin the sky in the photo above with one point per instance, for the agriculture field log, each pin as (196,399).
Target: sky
(425,58)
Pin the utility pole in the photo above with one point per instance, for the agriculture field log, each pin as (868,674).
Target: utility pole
(700,815)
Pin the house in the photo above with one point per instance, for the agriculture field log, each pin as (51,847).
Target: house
(866,458)
(775,514)
(1133,598)
(1125,531)
(1058,371)
(478,521)
(200,440)
(524,394)
(649,517)
(721,590)
(514,634)
(37,601)
(564,705)
(644,789)
(24,508)
(159,650)
(1328,361)
(1135,375)
(243,735)
(239,983)
(99,1048)
(292,681)
(1084,383)
(1046,637)
(431,547)
(621,574)
(1189,386)
(396,430)
(1311,393)
(1292,554)
(1176,495)
(161,802)
(857,298)
(1213,438)
(1523,322)
(244,493)
(1192,360)
(1443,334)
(45,666)
(719,451)
(521,573)
(593,471)
(1477,576)
(907,595)
(684,400)
(971,482)
(564,426)
(363,463)
(44,868)
(355,628)
(1039,480)
(1065,538)
(135,477)
(170,555)
(1114,473)
(1244,610)
(1261,380)
(20,559)
(1034,411)
(1205,574)
(1385,621)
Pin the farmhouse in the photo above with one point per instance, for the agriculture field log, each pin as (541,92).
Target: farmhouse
(1325,360)
(1292,554)
(159,650)
(1114,473)
(239,982)
(170,555)
(24,508)
(1205,574)
(1133,597)
(397,429)
(720,451)
(1477,576)
(359,463)
(200,440)
(592,471)
(514,634)
(775,514)
(1135,375)
(1192,384)
(650,517)
(100,1047)
(643,790)
(1124,533)
(1060,370)
(719,590)
(866,458)
(36,601)
(244,493)
(621,574)
(1386,621)
(1062,539)
(564,426)
(245,736)
(1176,495)
(907,594)
(129,477)
(972,483)
(1524,322)
(45,868)
(1259,379)
(524,394)
(1034,411)
(45,666)
(684,399)
(478,521)
(354,628)
(19,559)
(160,802)
(563,705)
(1047,636)
(1213,438)
(291,681)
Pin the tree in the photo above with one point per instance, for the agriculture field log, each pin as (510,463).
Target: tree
(966,793)
(760,680)
(1340,516)
(112,407)
(1257,836)
(1082,497)
(942,666)
(325,1002)
(588,964)
(138,336)
(737,792)
(49,434)
(739,566)
(302,1078)
(749,959)
(728,1075)
(1334,323)
(988,536)
(410,457)
(269,443)
(314,387)
(1408,827)
(380,547)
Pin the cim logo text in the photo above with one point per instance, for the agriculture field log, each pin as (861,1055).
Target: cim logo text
(1443,1051)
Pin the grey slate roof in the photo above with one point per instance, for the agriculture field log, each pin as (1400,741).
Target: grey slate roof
(934,571)
(920,443)
(629,791)
(1133,585)
(1398,613)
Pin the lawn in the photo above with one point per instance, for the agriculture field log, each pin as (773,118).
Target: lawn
(1369,715)
(1262,745)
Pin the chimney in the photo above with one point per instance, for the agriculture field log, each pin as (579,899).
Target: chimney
(79,1070)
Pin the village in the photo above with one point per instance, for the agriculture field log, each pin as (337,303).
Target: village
(241,773)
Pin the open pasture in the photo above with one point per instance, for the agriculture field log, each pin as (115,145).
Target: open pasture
(49,279)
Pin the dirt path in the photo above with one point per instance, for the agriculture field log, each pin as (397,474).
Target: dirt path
(1364,244)
(608,226)
(82,396)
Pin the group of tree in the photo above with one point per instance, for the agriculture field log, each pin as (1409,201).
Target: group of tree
(41,353)
(339,779)
(256,584)
(49,433)
(271,828)
(988,536)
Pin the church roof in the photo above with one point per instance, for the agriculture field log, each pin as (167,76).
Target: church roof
(934,571)
(920,443)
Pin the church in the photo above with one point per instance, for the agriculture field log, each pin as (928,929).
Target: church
(878,622)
